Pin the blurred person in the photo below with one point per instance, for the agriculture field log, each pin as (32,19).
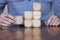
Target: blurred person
(17,7)
(47,8)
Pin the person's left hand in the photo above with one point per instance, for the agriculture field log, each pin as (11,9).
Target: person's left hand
(53,20)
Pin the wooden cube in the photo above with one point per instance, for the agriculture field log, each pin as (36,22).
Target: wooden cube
(19,20)
(36,6)
(28,14)
(36,23)
(36,14)
(28,23)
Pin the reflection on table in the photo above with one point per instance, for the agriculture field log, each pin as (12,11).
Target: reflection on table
(44,33)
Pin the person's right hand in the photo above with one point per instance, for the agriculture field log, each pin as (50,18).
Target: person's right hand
(6,20)
(53,21)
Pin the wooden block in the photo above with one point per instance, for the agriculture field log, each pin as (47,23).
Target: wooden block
(19,20)
(36,14)
(36,23)
(36,6)
(28,34)
(28,23)
(28,15)
(36,34)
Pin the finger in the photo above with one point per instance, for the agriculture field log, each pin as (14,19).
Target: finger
(57,24)
(3,21)
(54,19)
(2,24)
(8,20)
(8,16)
(50,19)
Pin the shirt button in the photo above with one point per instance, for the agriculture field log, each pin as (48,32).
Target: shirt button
(29,0)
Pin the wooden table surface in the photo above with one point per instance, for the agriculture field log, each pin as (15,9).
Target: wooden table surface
(44,33)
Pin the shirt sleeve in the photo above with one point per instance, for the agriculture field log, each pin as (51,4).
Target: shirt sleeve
(2,5)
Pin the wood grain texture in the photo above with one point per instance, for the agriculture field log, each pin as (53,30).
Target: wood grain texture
(45,34)
(28,34)
(36,34)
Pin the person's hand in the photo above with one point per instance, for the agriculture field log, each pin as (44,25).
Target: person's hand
(6,20)
(53,20)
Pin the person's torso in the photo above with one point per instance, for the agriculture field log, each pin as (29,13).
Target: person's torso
(44,0)
(18,7)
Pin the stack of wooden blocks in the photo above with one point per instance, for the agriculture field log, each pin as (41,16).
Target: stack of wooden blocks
(32,22)
(32,18)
